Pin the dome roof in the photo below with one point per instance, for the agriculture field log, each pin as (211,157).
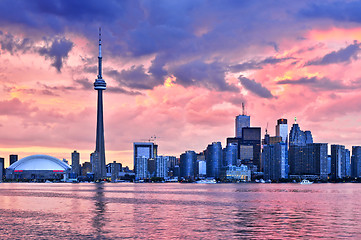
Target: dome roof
(39,162)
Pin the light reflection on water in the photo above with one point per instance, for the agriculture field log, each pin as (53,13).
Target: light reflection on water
(173,211)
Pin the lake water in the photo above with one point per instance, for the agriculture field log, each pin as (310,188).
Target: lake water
(179,211)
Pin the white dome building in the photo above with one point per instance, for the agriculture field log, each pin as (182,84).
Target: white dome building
(39,167)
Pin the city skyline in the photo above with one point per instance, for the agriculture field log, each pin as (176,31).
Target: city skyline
(177,70)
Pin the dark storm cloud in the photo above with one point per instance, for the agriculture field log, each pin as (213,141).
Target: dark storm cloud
(255,87)
(337,10)
(342,55)
(135,77)
(13,45)
(174,34)
(250,65)
(323,83)
(201,74)
(57,50)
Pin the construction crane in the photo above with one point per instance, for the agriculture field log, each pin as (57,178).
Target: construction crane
(151,139)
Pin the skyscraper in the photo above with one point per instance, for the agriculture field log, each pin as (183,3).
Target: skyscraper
(214,159)
(75,166)
(242,121)
(356,161)
(338,160)
(187,164)
(100,85)
(282,129)
(144,159)
(2,169)
(13,158)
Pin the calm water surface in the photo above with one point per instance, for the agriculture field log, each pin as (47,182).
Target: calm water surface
(179,211)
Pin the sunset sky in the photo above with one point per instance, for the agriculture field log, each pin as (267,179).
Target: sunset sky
(178,70)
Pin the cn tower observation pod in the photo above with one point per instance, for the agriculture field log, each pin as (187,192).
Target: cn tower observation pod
(38,167)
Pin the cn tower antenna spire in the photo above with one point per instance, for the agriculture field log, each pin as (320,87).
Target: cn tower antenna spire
(100,54)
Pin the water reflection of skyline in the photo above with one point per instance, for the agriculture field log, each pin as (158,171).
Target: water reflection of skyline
(100,205)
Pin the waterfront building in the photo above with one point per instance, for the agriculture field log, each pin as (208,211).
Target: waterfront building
(201,169)
(141,167)
(282,129)
(238,142)
(242,121)
(75,165)
(356,162)
(187,164)
(230,156)
(161,170)
(252,137)
(99,169)
(338,161)
(310,160)
(13,158)
(38,167)
(113,170)
(234,173)
(214,159)
(95,162)
(297,157)
(347,163)
(2,169)
(145,154)
(86,168)
(275,161)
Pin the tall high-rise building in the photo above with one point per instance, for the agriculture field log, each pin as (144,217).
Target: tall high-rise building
(161,163)
(2,169)
(188,164)
(13,158)
(75,165)
(100,85)
(338,161)
(297,155)
(145,154)
(275,161)
(282,129)
(356,161)
(214,159)
(252,137)
(347,163)
(230,156)
(242,121)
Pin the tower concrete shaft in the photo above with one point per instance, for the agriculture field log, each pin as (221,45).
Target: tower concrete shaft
(100,85)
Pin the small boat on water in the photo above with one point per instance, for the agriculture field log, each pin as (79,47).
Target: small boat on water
(305,181)
(207,181)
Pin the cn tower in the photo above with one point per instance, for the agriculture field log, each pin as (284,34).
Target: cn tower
(99,85)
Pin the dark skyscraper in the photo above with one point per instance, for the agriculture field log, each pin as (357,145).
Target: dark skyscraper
(75,157)
(187,164)
(13,158)
(214,159)
(100,85)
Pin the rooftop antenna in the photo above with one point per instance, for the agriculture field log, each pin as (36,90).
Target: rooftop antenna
(295,120)
(243,113)
(266,128)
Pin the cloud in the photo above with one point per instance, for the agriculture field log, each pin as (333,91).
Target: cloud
(336,10)
(135,77)
(57,50)
(12,44)
(251,65)
(15,107)
(255,87)
(322,83)
(201,74)
(342,55)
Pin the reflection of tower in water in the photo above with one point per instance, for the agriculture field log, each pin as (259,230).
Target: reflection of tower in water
(99,211)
